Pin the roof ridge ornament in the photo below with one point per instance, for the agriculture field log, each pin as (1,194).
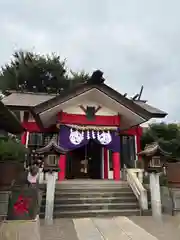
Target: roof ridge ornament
(96,78)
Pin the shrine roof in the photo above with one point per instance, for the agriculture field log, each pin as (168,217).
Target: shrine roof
(152,149)
(52,145)
(8,121)
(43,101)
(26,99)
(141,108)
(155,111)
(41,104)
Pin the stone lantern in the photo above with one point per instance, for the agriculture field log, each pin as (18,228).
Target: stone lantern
(51,154)
(154,158)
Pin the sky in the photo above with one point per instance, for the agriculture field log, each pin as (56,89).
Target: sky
(134,42)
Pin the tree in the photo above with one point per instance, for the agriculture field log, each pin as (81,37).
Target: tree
(168,136)
(28,71)
(79,77)
(12,149)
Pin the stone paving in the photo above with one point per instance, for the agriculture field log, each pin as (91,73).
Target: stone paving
(95,229)
(62,229)
(167,229)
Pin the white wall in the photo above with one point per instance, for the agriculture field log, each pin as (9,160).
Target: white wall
(77,110)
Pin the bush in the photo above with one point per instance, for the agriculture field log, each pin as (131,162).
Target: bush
(12,150)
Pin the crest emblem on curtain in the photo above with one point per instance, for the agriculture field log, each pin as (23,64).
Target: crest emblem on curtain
(76,137)
(104,138)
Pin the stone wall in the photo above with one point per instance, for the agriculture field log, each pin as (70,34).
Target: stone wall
(166,200)
(4,200)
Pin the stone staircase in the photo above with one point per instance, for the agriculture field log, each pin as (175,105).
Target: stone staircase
(90,198)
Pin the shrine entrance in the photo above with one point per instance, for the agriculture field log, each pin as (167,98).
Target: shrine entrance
(85,162)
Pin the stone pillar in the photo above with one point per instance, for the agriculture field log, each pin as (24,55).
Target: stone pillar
(105,163)
(50,191)
(62,167)
(116,165)
(155,196)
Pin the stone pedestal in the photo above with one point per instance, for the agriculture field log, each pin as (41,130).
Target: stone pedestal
(20,230)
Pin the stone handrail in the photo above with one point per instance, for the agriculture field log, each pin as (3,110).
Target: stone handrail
(134,179)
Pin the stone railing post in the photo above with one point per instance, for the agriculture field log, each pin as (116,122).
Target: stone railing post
(50,191)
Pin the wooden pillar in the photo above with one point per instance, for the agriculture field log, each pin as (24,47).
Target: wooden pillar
(23,138)
(105,163)
(27,139)
(62,167)
(116,165)
(139,133)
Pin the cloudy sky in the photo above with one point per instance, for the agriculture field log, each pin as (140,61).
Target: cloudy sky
(134,42)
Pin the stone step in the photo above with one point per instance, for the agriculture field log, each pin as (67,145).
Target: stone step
(92,206)
(95,213)
(91,194)
(68,186)
(95,189)
(88,184)
(100,190)
(91,181)
(95,199)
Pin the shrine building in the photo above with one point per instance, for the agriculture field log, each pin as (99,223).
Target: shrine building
(95,127)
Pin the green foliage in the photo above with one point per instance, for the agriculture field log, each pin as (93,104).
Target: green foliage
(162,180)
(78,77)
(168,136)
(33,72)
(11,149)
